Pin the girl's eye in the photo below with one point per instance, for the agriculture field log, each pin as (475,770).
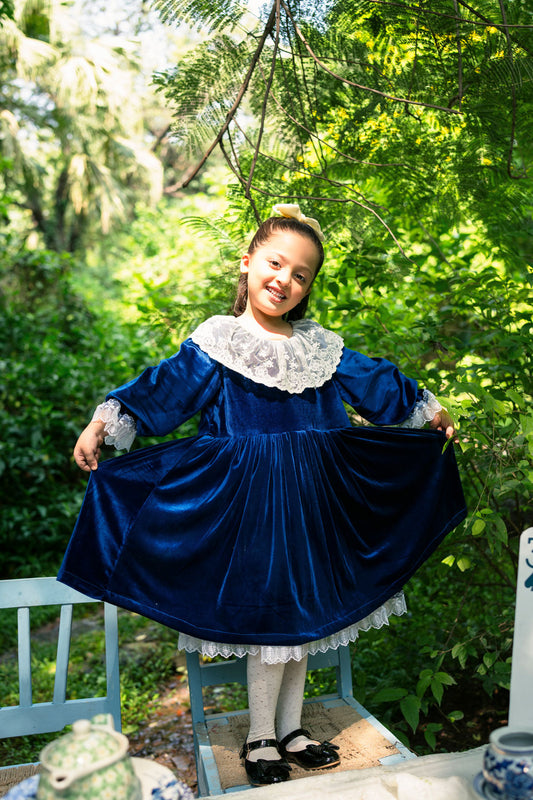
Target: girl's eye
(300,277)
(274,263)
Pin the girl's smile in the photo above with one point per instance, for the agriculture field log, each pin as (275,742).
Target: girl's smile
(277,296)
(280,274)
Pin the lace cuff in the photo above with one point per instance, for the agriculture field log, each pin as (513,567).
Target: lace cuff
(120,428)
(423,412)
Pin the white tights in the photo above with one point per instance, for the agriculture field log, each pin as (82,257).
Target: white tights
(275,698)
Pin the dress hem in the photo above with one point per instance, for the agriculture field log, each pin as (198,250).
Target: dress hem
(271,654)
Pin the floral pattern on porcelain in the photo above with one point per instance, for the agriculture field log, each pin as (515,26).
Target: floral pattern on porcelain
(508,765)
(172,790)
(90,763)
(163,790)
(24,790)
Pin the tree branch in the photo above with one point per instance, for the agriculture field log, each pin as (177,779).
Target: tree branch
(239,174)
(233,110)
(318,150)
(336,200)
(502,28)
(459,56)
(307,173)
(485,20)
(513,101)
(265,102)
(358,85)
(330,146)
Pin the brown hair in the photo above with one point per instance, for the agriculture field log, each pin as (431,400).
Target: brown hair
(262,235)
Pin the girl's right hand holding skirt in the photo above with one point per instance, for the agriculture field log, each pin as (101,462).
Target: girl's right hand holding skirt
(87,449)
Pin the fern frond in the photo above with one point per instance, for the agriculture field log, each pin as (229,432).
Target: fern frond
(201,13)
(219,231)
(202,88)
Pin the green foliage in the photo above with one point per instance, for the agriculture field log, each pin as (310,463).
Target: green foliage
(7,9)
(81,152)
(217,65)
(214,16)
(52,373)
(379,113)
(170,269)
(71,331)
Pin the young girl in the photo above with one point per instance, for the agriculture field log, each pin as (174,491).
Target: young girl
(280,529)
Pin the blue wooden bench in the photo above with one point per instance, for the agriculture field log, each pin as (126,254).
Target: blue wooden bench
(28,717)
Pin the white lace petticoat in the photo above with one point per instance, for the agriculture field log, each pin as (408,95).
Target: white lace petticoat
(270,654)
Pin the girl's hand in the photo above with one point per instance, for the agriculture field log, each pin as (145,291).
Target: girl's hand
(87,449)
(443,422)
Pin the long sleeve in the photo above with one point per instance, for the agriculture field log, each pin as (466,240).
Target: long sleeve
(376,388)
(166,395)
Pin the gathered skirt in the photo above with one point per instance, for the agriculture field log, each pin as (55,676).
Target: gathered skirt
(271,540)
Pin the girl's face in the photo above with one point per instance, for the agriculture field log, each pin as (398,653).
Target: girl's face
(280,274)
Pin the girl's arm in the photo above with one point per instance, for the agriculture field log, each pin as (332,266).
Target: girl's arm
(383,395)
(108,425)
(154,404)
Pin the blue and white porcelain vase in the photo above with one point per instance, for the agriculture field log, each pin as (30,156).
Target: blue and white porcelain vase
(508,764)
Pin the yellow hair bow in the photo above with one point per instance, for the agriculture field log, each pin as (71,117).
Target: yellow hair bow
(293,212)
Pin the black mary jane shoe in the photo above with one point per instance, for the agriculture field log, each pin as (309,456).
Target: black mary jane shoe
(314,756)
(264,771)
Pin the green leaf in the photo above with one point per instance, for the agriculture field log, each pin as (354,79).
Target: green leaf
(423,684)
(430,731)
(489,659)
(389,695)
(460,652)
(445,678)
(431,739)
(526,423)
(333,288)
(410,707)
(455,716)
(499,529)
(516,397)
(478,527)
(437,690)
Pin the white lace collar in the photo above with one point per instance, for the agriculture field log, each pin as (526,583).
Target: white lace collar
(305,360)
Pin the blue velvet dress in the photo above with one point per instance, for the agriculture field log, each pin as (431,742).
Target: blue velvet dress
(279,523)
